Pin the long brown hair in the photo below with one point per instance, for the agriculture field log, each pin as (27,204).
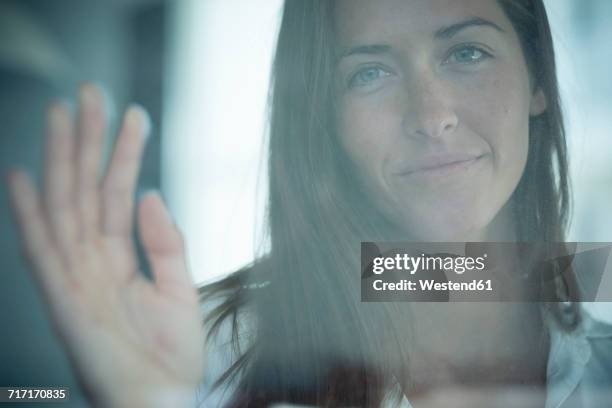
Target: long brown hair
(314,341)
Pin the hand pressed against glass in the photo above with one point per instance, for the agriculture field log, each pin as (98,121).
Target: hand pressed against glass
(434,100)
(132,342)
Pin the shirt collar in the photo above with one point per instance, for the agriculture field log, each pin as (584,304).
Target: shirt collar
(569,354)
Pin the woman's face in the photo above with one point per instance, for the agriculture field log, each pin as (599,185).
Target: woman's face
(434,104)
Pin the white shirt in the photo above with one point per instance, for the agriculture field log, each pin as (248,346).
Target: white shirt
(579,370)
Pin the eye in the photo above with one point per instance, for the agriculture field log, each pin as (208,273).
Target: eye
(367,76)
(467,55)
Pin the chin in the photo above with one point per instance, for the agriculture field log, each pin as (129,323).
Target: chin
(448,226)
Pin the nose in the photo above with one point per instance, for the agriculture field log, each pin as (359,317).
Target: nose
(429,110)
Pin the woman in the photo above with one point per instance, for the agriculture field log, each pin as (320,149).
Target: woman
(420,120)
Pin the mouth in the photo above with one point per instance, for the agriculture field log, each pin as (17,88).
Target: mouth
(438,166)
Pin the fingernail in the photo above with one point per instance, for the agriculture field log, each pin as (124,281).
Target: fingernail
(153,193)
(92,94)
(88,95)
(58,120)
(108,102)
(142,192)
(139,117)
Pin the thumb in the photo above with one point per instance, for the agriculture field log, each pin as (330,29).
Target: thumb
(163,244)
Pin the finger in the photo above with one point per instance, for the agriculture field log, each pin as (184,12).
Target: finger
(47,268)
(122,175)
(91,129)
(59,176)
(165,249)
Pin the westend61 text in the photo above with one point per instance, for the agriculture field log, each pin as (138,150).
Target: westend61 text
(432,285)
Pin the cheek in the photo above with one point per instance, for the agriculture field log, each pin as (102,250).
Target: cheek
(368,130)
(499,113)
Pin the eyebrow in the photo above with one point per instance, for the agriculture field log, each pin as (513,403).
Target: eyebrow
(367,49)
(442,33)
(451,30)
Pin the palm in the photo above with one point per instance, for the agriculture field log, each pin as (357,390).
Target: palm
(128,337)
(135,329)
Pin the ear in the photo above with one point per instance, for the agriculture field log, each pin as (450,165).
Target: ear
(538,103)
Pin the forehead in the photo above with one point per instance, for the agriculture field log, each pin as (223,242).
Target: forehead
(367,20)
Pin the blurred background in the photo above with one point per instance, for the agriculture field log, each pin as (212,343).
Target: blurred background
(201,67)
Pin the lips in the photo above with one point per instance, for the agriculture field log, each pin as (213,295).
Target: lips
(441,163)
